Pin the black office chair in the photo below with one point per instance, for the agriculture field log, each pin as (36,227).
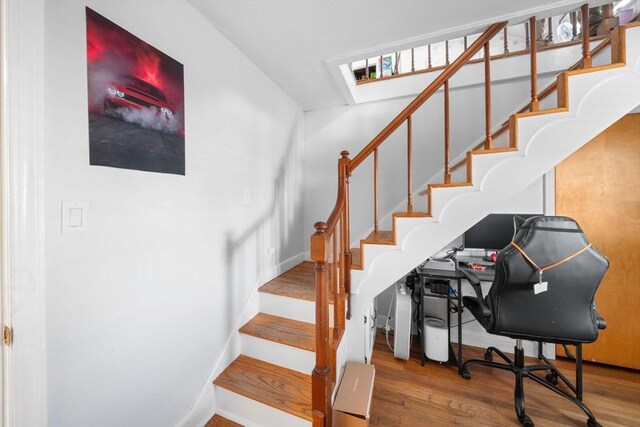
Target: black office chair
(560,310)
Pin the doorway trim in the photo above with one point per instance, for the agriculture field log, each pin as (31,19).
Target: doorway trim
(22,150)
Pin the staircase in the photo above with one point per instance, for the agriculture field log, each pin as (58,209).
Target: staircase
(270,382)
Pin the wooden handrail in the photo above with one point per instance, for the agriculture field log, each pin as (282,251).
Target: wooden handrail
(426,94)
(542,95)
(335,213)
(323,241)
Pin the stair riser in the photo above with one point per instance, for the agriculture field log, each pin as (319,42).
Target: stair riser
(442,196)
(292,308)
(484,163)
(251,413)
(278,354)
(405,225)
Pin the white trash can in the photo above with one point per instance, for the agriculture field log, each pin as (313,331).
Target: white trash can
(436,339)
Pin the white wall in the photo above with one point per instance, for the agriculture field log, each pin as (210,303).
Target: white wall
(139,307)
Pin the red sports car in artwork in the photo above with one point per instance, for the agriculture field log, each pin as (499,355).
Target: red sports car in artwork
(134,93)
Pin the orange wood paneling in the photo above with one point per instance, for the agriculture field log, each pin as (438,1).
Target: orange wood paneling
(599,186)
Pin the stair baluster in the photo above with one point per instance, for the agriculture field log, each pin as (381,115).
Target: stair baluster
(586,50)
(409,166)
(488,143)
(535,104)
(447,170)
(375,192)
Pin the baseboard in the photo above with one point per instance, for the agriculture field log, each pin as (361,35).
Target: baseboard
(205,405)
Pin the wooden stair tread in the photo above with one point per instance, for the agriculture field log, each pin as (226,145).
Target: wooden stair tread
(495,150)
(412,215)
(451,185)
(218,421)
(299,282)
(272,385)
(380,238)
(282,330)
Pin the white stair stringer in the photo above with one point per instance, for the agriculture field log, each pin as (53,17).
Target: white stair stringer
(292,308)
(404,225)
(595,101)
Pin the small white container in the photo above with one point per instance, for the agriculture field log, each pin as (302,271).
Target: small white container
(436,339)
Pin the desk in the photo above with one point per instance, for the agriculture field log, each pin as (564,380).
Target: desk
(456,301)
(486,275)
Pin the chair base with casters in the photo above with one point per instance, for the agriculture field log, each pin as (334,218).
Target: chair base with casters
(550,380)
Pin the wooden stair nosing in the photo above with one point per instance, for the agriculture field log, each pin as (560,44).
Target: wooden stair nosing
(386,237)
(281,388)
(494,151)
(452,185)
(412,215)
(281,330)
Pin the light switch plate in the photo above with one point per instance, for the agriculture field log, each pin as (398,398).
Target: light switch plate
(75,217)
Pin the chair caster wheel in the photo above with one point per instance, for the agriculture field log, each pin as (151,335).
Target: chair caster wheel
(593,423)
(526,421)
(552,378)
(488,355)
(466,374)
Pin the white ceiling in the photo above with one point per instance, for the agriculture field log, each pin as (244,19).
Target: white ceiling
(296,41)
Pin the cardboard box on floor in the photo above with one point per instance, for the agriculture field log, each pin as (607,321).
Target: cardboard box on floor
(353,401)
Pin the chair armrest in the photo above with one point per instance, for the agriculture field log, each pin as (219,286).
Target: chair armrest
(475,284)
(471,277)
(600,322)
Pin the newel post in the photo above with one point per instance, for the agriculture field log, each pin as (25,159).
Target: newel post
(344,173)
(321,376)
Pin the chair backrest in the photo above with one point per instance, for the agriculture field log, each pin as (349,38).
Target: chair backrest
(565,312)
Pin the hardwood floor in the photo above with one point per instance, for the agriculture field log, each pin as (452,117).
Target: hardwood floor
(407,394)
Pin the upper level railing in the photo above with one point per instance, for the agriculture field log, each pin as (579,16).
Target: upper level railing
(330,244)
(552,32)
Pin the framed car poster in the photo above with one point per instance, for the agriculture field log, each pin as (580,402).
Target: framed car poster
(136,101)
